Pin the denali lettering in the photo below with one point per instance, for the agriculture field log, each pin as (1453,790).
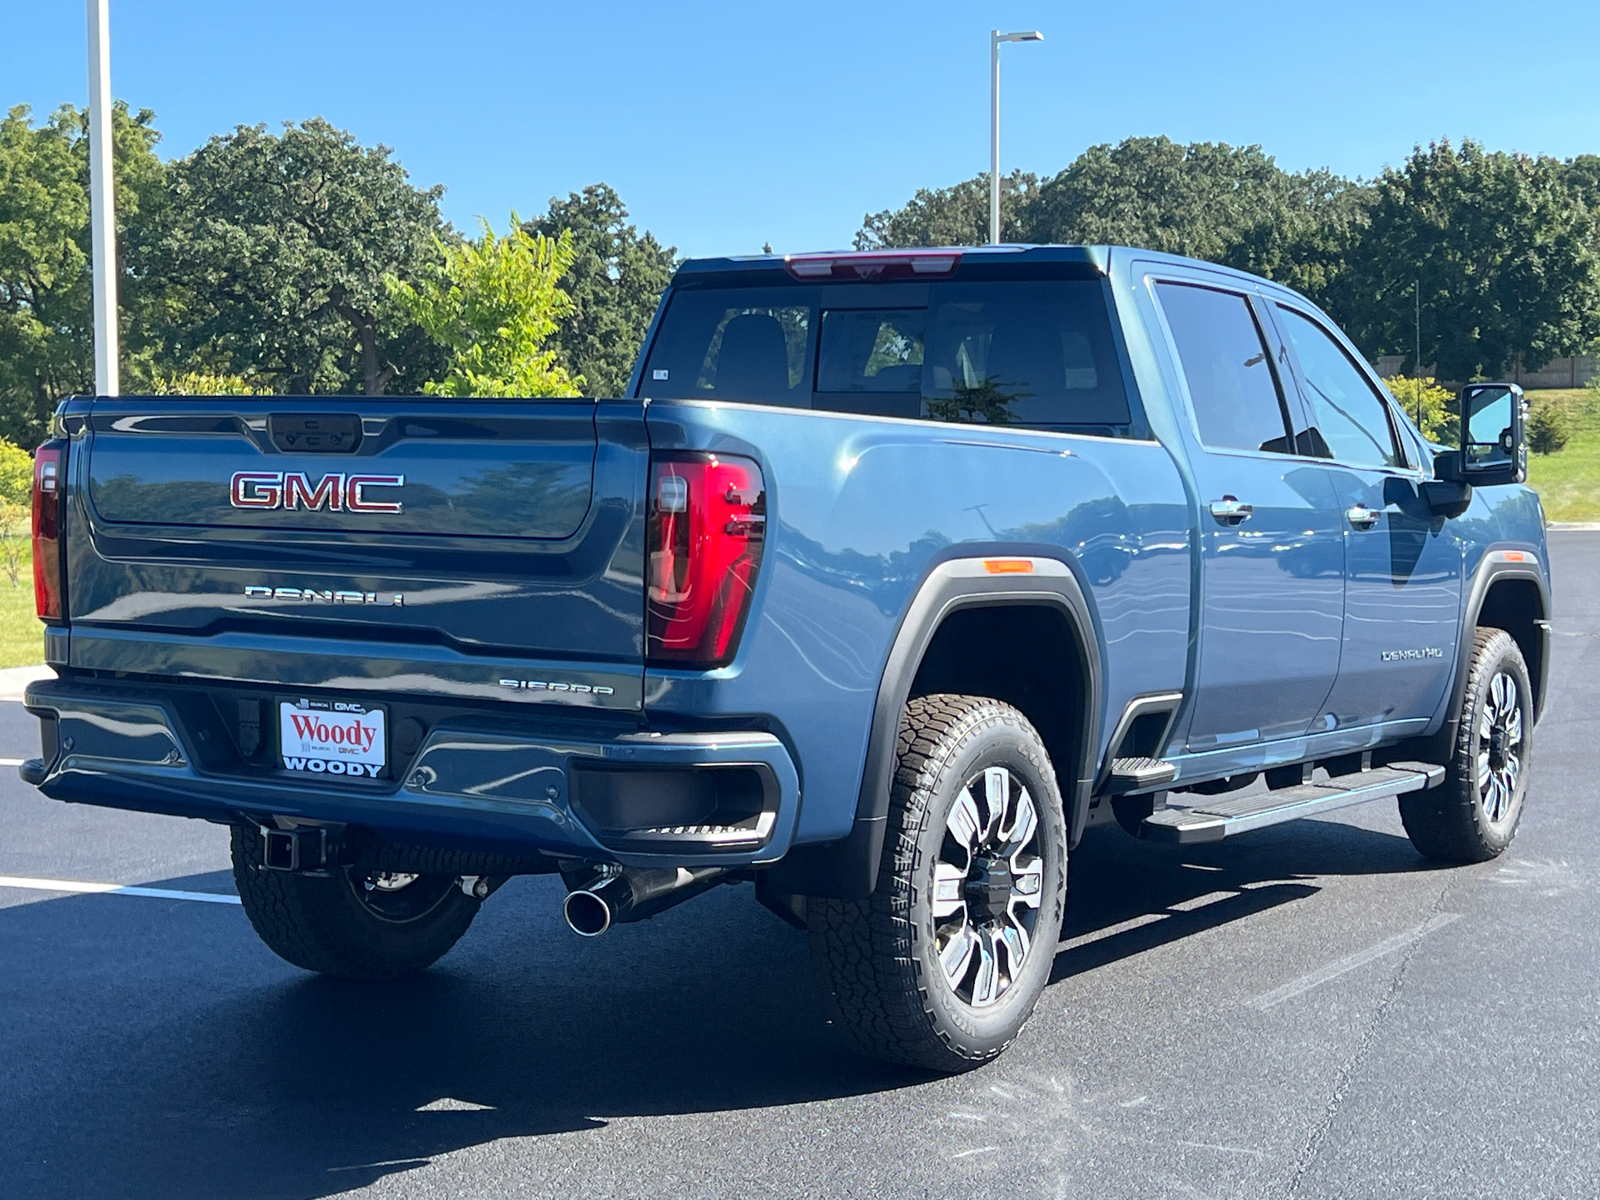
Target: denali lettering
(539,685)
(1404,655)
(293,491)
(325,595)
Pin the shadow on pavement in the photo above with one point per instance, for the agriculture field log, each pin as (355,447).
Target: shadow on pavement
(156,1049)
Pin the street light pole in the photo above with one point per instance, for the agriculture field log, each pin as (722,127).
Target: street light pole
(995,38)
(102,209)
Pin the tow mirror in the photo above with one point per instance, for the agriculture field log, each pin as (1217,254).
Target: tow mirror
(1493,449)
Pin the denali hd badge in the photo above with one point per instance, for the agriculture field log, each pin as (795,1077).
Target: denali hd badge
(293,490)
(325,595)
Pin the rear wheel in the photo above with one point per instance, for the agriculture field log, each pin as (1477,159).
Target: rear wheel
(943,964)
(1472,816)
(382,925)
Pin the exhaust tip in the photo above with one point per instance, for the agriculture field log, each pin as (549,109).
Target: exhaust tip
(587,914)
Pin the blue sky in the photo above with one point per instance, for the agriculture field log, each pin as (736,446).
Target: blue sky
(724,125)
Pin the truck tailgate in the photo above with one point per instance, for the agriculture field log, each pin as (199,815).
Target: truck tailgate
(471,548)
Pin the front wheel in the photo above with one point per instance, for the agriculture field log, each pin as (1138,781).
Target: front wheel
(382,925)
(1472,816)
(943,964)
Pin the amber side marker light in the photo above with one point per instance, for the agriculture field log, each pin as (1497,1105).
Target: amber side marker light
(1516,556)
(1008,566)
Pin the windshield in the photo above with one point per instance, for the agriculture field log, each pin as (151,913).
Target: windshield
(1037,354)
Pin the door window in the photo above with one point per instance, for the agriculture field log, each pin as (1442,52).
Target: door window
(1348,414)
(1237,401)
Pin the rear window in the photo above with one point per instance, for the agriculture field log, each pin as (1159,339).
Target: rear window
(1037,354)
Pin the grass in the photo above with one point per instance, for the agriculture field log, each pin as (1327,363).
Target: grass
(21,634)
(1568,481)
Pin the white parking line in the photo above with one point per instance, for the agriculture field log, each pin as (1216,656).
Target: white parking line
(1349,963)
(11,762)
(77,887)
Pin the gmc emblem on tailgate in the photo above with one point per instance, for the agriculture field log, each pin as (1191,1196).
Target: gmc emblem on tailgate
(293,490)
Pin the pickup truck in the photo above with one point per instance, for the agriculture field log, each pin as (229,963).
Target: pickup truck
(892,575)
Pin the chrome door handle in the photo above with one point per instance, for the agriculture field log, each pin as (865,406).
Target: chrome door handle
(1230,510)
(1361,517)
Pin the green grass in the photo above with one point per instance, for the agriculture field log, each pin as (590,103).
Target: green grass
(21,634)
(1568,481)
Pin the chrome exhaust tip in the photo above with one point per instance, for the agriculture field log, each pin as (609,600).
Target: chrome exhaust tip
(587,915)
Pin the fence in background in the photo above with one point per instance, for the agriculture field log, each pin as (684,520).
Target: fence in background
(1571,372)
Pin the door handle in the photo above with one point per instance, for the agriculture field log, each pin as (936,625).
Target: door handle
(1230,510)
(1361,517)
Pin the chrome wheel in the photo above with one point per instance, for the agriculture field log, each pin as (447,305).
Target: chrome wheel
(986,886)
(1500,747)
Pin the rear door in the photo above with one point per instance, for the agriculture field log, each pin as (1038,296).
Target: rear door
(1272,589)
(1402,562)
(472,548)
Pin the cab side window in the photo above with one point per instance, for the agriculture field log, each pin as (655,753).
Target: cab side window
(1226,362)
(1348,415)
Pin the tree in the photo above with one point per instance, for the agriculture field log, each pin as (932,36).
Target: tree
(493,306)
(46,333)
(279,247)
(1503,252)
(953,216)
(1432,407)
(615,282)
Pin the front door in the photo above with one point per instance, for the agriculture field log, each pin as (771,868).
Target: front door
(1272,578)
(1402,563)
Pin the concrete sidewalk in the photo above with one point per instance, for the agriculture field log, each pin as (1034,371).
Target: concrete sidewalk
(14,679)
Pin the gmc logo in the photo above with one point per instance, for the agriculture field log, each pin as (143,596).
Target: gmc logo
(293,490)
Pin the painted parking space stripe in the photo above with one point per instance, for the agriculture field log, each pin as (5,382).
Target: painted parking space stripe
(1350,962)
(82,888)
(11,762)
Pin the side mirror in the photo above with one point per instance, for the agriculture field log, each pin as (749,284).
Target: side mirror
(1493,448)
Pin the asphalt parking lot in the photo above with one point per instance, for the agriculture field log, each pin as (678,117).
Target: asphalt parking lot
(1308,1011)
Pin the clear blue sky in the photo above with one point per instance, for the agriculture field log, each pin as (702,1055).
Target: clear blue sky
(727,124)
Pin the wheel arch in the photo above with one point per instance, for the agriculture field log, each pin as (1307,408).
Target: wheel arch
(960,633)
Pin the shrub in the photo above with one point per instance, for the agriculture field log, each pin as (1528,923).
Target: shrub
(1429,405)
(1547,429)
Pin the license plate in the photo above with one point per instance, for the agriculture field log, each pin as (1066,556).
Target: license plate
(331,737)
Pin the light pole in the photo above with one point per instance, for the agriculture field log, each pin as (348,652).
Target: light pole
(102,209)
(995,38)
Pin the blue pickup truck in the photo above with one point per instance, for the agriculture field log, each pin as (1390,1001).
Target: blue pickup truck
(893,574)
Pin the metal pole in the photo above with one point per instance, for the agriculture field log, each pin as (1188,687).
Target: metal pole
(1416,366)
(102,209)
(994,137)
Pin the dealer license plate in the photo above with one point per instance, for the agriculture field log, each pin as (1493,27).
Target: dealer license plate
(331,737)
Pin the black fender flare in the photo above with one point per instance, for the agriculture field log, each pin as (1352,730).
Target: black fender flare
(848,869)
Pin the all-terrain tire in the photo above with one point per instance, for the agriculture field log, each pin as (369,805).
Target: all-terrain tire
(878,962)
(1469,819)
(339,925)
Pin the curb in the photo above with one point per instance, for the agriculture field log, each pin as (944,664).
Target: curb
(1573,526)
(14,679)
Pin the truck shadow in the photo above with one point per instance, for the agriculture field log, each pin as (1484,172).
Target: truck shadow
(158,1050)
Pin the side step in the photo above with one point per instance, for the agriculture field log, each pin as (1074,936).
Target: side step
(1137,774)
(1213,820)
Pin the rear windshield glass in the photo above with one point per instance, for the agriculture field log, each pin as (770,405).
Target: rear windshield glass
(1036,354)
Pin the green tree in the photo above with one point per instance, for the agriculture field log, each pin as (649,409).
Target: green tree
(953,216)
(1504,254)
(46,334)
(277,249)
(615,282)
(494,306)
(1432,407)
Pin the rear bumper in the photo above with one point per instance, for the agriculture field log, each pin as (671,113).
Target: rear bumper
(496,789)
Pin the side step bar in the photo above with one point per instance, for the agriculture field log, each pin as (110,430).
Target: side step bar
(1214,819)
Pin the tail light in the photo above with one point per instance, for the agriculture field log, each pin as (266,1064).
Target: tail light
(49,470)
(706,529)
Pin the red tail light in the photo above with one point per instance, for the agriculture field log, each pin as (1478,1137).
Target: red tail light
(707,524)
(49,470)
